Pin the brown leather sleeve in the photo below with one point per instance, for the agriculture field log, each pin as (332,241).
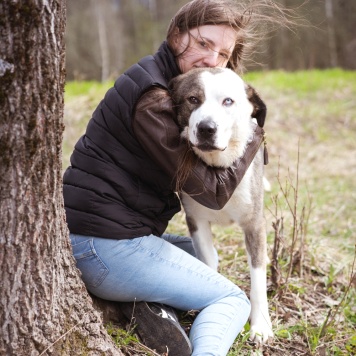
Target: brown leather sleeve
(158,133)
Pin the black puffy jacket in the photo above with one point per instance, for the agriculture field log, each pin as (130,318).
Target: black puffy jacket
(104,193)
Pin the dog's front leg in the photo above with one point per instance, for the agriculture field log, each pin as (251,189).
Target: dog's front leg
(261,326)
(200,231)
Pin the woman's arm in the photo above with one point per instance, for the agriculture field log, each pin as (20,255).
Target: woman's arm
(157,131)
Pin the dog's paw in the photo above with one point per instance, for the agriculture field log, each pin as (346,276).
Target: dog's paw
(261,333)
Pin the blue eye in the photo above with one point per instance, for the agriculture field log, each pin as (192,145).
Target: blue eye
(227,102)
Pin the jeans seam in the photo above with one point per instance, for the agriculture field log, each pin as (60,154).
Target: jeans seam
(179,266)
(227,328)
(100,280)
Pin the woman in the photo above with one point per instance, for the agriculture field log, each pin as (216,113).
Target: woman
(119,191)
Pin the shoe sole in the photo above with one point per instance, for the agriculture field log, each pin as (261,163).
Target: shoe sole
(161,334)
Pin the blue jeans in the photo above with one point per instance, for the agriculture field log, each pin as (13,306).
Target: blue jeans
(164,269)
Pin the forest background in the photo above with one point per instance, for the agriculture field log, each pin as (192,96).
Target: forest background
(103,38)
(306,75)
(310,212)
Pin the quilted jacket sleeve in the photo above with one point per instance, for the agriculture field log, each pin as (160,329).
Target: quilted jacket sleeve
(157,131)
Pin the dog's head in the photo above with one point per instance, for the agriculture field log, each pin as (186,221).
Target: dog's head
(214,110)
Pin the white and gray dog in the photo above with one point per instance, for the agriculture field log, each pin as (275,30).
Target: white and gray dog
(215,110)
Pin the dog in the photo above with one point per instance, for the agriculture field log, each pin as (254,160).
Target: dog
(217,114)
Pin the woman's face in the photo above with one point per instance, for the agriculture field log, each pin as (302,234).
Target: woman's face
(205,46)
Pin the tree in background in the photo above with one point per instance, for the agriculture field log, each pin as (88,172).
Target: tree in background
(95,40)
(326,40)
(44,305)
(330,16)
(135,28)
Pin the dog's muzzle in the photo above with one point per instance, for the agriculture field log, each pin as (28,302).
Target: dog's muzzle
(206,133)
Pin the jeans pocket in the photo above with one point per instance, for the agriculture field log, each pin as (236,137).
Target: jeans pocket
(89,263)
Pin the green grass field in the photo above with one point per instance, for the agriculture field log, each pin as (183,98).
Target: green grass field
(311,135)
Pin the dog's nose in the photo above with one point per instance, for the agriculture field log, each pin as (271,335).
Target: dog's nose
(206,129)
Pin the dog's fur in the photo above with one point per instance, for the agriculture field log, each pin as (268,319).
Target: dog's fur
(215,110)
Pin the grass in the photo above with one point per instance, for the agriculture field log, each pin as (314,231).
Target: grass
(304,83)
(313,308)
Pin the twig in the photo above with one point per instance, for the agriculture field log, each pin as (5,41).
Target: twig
(61,337)
(293,208)
(331,315)
(278,237)
(295,218)
(143,348)
(132,315)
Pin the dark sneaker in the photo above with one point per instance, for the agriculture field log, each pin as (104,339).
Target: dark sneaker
(158,327)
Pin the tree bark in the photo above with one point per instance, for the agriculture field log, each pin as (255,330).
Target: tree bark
(44,306)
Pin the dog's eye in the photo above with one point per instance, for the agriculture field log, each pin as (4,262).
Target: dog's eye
(193,100)
(228,102)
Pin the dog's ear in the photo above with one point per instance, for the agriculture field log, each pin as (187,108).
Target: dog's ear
(172,87)
(171,84)
(259,107)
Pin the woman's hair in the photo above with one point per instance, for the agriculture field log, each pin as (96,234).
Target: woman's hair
(245,17)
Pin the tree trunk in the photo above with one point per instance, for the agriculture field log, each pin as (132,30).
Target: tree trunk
(331,32)
(103,39)
(44,306)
